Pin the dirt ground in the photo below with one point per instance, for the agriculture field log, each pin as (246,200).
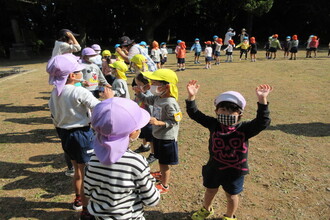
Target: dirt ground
(289,165)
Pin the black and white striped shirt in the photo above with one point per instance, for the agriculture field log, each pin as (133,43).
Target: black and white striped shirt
(120,190)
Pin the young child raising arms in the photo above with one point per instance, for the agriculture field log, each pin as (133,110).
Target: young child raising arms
(228,144)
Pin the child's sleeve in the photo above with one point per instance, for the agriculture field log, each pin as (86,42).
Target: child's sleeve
(147,191)
(197,115)
(174,114)
(102,79)
(261,122)
(119,90)
(149,100)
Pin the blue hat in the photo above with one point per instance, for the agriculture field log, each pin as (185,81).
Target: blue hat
(288,37)
(117,45)
(179,41)
(245,38)
(143,43)
(215,36)
(162,43)
(196,39)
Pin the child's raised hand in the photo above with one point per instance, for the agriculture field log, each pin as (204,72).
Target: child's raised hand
(192,88)
(262,92)
(137,89)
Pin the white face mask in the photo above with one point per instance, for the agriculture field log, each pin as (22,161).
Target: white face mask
(154,90)
(92,59)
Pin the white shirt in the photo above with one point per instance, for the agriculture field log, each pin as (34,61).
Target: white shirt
(61,47)
(228,37)
(208,52)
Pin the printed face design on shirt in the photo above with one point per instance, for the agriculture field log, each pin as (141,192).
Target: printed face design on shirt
(93,79)
(228,148)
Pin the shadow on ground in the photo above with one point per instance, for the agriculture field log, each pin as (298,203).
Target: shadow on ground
(21,109)
(32,136)
(314,129)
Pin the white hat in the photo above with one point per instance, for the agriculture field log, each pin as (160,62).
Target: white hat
(231,96)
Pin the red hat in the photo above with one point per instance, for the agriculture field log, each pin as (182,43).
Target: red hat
(208,42)
(231,42)
(275,36)
(295,37)
(252,40)
(219,40)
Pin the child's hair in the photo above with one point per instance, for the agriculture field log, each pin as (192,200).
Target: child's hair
(229,106)
(141,78)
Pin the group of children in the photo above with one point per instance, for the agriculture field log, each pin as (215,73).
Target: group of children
(110,180)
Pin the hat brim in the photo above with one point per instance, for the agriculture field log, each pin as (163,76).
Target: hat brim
(151,76)
(129,42)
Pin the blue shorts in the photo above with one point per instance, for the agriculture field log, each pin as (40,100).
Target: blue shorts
(217,53)
(208,59)
(181,60)
(77,143)
(166,151)
(197,54)
(146,133)
(212,180)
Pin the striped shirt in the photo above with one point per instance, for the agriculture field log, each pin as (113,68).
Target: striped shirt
(120,190)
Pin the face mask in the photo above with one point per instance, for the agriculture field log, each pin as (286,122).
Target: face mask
(92,59)
(227,119)
(134,139)
(98,52)
(78,84)
(154,90)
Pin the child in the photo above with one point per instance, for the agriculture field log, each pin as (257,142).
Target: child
(164,53)
(267,46)
(106,70)
(66,43)
(229,51)
(118,181)
(213,45)
(119,85)
(274,44)
(139,63)
(181,56)
(218,45)
(228,144)
(286,46)
(156,54)
(308,52)
(294,47)
(165,121)
(98,57)
(313,45)
(146,132)
(144,46)
(253,50)
(177,50)
(92,73)
(120,53)
(244,47)
(208,54)
(198,49)
(69,106)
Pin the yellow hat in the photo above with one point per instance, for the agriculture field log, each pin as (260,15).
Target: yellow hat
(166,75)
(106,53)
(139,59)
(121,68)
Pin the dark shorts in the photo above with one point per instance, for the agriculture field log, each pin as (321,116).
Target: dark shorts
(181,60)
(229,53)
(294,50)
(312,49)
(166,151)
(77,143)
(164,60)
(273,49)
(212,180)
(286,49)
(243,51)
(217,53)
(197,54)
(146,133)
(208,59)
(252,51)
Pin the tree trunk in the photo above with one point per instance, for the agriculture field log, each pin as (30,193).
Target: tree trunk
(250,23)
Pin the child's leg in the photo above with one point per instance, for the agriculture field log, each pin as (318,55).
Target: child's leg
(78,181)
(232,204)
(231,58)
(241,53)
(165,170)
(209,197)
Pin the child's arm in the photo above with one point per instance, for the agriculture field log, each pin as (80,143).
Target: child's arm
(262,91)
(192,88)
(149,100)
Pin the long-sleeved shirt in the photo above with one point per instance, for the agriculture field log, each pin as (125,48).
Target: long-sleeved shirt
(61,47)
(244,45)
(228,145)
(229,48)
(120,88)
(275,44)
(166,110)
(72,108)
(93,75)
(120,190)
(293,43)
(228,37)
(196,47)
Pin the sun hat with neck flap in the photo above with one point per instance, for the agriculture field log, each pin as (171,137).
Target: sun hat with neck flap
(166,75)
(121,68)
(114,120)
(59,68)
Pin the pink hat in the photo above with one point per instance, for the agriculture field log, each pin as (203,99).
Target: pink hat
(231,96)
(114,120)
(87,51)
(59,68)
(96,47)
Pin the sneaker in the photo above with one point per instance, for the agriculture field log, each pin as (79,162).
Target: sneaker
(162,189)
(183,69)
(142,148)
(151,158)
(157,175)
(69,172)
(227,218)
(202,214)
(85,215)
(77,204)
(178,70)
